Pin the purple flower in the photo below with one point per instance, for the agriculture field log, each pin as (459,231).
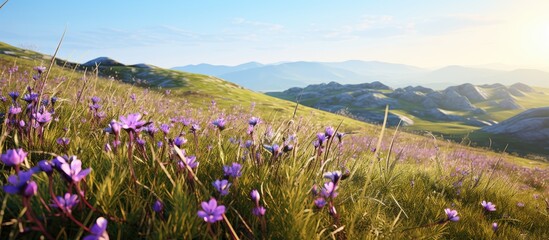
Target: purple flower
(165,128)
(178,141)
(314,190)
(340,136)
(334,176)
(42,118)
(95,99)
(98,230)
(158,206)
(30,97)
(141,142)
(13,157)
(132,122)
(113,128)
(329,132)
(211,212)
(274,149)
(14,110)
(253,121)
(255,196)
(248,143)
(222,186)
(329,190)
(67,202)
(21,184)
(159,144)
(488,206)
(520,204)
(14,95)
(74,170)
(43,166)
(194,128)
(190,161)
(321,138)
(233,170)
(39,69)
(219,123)
(495,226)
(259,211)
(63,141)
(320,202)
(451,215)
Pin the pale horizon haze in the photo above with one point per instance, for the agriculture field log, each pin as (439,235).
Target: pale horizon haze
(431,33)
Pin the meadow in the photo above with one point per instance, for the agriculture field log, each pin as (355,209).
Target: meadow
(95,158)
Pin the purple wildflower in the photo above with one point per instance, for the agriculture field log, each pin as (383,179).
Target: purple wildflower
(233,170)
(13,157)
(329,190)
(178,141)
(30,97)
(43,166)
(67,202)
(98,230)
(314,190)
(334,176)
(321,138)
(21,184)
(194,128)
(113,128)
(520,204)
(141,142)
(259,211)
(39,69)
(74,170)
(222,186)
(95,99)
(219,123)
(211,212)
(63,141)
(320,202)
(42,118)
(165,128)
(253,121)
(14,110)
(132,122)
(14,95)
(340,136)
(248,143)
(329,132)
(158,206)
(488,206)
(255,196)
(452,215)
(495,226)
(190,161)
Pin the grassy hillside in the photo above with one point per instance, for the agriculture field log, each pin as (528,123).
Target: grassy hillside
(311,182)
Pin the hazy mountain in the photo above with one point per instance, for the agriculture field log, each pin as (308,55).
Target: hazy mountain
(216,70)
(277,77)
(294,74)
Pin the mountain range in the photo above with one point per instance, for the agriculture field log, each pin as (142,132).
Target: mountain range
(278,77)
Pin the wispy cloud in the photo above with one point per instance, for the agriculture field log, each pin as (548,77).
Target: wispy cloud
(260,26)
(386,26)
(451,23)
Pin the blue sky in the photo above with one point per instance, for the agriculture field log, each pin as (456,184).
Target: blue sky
(424,33)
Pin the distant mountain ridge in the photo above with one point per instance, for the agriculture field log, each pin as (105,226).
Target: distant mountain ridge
(277,77)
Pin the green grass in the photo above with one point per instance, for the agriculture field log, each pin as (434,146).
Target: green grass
(398,191)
